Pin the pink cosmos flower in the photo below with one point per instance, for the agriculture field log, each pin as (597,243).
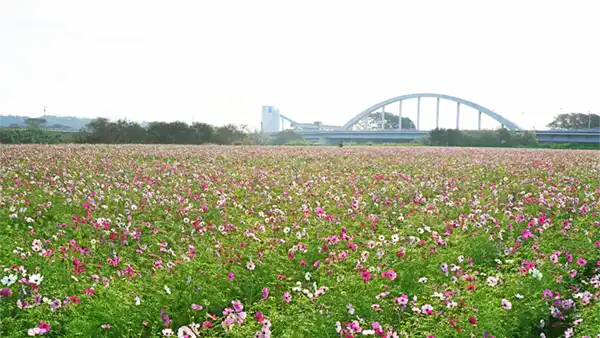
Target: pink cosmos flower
(365,275)
(581,261)
(569,257)
(377,328)
(287,297)
(197,307)
(44,327)
(402,300)
(389,274)
(427,309)
(547,294)
(237,305)
(36,331)
(230,275)
(506,305)
(265,293)
(106,326)
(444,268)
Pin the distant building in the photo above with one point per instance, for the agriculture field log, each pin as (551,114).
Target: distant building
(271,120)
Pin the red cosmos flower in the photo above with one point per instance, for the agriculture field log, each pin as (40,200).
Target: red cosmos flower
(473,320)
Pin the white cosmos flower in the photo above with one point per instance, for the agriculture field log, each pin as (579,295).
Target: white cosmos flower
(36,278)
(250,265)
(492,281)
(9,280)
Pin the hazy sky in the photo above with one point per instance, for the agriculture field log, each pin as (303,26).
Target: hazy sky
(220,61)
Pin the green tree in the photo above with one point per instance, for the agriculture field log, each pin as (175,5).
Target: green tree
(101,130)
(503,135)
(575,121)
(129,132)
(171,133)
(229,134)
(204,132)
(35,123)
(286,136)
(391,121)
(528,139)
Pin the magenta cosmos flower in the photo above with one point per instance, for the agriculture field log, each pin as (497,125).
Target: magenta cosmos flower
(4,293)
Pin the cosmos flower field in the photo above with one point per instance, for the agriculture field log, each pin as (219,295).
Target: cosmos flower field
(190,241)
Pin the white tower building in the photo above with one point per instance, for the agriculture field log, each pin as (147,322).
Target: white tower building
(271,120)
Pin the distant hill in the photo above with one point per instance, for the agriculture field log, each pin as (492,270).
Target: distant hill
(52,122)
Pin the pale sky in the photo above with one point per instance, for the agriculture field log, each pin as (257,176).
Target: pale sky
(220,61)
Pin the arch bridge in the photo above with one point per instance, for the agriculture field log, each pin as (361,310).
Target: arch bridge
(399,99)
(381,106)
(321,133)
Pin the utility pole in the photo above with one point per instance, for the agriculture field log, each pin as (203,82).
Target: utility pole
(589,119)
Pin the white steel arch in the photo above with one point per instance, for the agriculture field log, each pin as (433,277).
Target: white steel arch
(504,121)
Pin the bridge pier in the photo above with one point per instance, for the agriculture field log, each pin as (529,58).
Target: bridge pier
(383,118)
(479,121)
(437,114)
(457,114)
(400,116)
(419,113)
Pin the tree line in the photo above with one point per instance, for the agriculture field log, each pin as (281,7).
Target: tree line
(102,130)
(574,121)
(481,138)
